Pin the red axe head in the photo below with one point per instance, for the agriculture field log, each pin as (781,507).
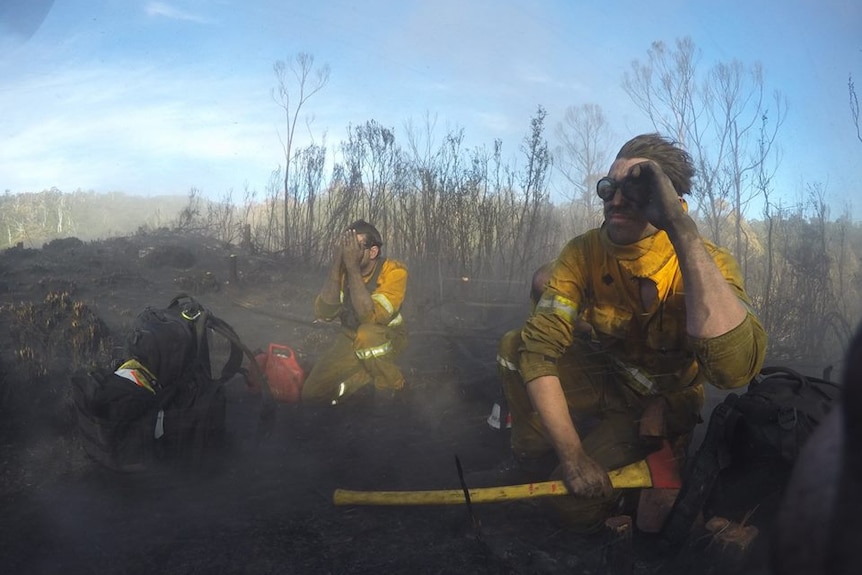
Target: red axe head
(664,467)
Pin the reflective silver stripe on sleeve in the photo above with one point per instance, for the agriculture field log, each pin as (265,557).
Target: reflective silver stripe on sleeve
(506,364)
(559,305)
(376,351)
(395,321)
(384,301)
(387,305)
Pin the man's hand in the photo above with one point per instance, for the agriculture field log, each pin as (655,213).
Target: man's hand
(713,308)
(351,250)
(330,291)
(337,256)
(584,476)
(649,187)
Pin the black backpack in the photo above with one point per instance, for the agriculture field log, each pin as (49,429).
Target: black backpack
(754,439)
(779,412)
(180,419)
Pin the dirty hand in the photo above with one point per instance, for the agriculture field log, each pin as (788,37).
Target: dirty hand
(337,255)
(652,191)
(583,476)
(351,249)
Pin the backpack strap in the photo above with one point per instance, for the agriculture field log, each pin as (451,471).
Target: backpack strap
(196,314)
(700,474)
(204,320)
(237,348)
(727,415)
(816,384)
(774,371)
(233,366)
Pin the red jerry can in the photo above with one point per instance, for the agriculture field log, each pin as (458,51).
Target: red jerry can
(283,373)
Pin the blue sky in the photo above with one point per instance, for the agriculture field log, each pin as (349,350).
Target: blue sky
(153,97)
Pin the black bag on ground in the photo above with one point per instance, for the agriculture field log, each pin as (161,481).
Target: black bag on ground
(752,440)
(171,410)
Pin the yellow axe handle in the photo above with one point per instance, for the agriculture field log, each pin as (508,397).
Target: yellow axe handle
(633,475)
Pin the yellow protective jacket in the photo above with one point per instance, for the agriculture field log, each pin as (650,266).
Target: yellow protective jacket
(388,295)
(596,281)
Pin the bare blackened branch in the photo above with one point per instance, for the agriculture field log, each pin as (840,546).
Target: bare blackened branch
(854,106)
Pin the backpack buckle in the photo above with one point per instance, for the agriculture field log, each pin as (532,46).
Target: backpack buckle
(787,418)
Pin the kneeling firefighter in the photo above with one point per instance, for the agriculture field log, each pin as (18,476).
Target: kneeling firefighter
(365,291)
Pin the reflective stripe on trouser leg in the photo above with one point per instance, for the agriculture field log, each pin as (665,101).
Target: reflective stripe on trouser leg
(376,347)
(337,365)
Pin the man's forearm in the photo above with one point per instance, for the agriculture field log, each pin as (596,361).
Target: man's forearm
(359,296)
(549,401)
(712,307)
(330,292)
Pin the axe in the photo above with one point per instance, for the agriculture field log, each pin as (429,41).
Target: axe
(658,470)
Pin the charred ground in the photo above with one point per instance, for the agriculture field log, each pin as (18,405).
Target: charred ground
(268,509)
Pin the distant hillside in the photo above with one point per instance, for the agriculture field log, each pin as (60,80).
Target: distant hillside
(36,218)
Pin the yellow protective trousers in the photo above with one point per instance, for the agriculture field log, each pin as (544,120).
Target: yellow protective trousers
(606,414)
(354,360)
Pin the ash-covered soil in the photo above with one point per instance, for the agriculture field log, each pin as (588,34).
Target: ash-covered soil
(269,508)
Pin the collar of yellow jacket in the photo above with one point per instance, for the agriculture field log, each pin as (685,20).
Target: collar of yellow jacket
(643,258)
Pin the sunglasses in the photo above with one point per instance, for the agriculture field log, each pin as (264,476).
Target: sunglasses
(607,187)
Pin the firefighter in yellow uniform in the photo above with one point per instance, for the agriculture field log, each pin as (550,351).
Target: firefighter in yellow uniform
(364,291)
(635,317)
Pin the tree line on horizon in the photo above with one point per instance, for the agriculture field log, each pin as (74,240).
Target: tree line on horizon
(451,211)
